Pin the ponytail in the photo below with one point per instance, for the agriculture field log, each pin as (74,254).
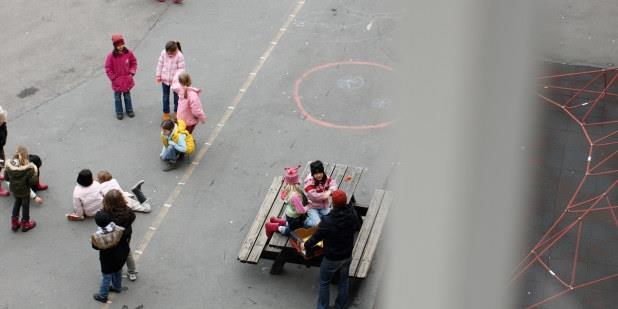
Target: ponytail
(178,45)
(186,91)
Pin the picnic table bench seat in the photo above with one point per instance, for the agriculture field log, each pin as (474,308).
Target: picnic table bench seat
(278,248)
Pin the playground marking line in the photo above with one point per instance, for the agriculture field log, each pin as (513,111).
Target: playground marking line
(213,135)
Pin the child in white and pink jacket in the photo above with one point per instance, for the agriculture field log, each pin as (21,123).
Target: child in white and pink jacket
(318,188)
(87,198)
(170,62)
(190,108)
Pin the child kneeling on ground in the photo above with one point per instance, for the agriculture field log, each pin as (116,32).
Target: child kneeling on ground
(177,142)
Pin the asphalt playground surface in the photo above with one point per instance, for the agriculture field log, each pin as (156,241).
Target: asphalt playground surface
(257,66)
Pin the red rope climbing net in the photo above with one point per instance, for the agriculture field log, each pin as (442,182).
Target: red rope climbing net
(590,100)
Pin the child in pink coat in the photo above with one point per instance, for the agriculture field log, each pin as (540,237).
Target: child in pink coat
(190,108)
(120,66)
(318,188)
(170,62)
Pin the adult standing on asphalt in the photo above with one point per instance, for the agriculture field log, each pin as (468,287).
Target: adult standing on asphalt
(337,231)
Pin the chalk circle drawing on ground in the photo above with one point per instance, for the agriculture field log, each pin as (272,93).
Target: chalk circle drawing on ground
(347,82)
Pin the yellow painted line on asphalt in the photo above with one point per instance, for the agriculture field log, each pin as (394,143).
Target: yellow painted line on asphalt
(212,137)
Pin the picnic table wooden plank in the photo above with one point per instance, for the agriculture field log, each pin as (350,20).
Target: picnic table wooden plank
(372,243)
(261,240)
(363,235)
(349,186)
(338,173)
(261,217)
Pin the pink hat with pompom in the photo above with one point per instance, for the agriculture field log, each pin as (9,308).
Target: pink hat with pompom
(291,175)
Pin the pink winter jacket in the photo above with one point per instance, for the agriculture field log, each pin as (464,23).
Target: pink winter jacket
(120,70)
(318,194)
(168,66)
(190,109)
(87,200)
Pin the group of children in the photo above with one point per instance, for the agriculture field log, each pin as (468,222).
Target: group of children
(177,127)
(304,207)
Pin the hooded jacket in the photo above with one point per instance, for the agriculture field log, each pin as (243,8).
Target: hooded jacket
(337,231)
(22,177)
(120,69)
(190,108)
(179,129)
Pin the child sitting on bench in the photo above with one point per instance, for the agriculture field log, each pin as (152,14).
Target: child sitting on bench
(294,203)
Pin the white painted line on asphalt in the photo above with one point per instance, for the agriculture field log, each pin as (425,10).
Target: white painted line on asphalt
(215,133)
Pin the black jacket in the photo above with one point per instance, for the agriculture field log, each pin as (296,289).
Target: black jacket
(113,259)
(337,231)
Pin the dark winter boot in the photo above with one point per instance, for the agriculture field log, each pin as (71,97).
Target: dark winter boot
(15,224)
(280,221)
(4,192)
(40,186)
(271,228)
(137,191)
(27,225)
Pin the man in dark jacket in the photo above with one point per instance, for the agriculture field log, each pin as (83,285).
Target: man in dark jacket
(337,231)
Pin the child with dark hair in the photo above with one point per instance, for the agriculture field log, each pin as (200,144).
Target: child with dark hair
(190,108)
(114,210)
(86,197)
(170,61)
(120,66)
(177,142)
(23,175)
(318,188)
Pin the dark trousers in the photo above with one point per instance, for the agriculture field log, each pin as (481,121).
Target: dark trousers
(24,204)
(166,99)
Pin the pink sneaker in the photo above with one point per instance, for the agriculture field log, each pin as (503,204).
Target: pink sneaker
(178,1)
(74,217)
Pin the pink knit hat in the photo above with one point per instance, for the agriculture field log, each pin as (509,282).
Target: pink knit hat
(117,39)
(291,175)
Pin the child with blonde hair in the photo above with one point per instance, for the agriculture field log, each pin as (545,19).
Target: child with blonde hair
(294,203)
(190,108)
(23,175)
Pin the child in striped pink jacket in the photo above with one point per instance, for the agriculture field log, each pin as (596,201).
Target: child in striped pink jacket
(170,62)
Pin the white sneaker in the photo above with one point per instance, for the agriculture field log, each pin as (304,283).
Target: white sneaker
(132,276)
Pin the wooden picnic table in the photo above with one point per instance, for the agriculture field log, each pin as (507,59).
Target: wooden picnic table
(278,248)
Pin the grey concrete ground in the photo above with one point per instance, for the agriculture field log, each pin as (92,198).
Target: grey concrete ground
(578,32)
(58,48)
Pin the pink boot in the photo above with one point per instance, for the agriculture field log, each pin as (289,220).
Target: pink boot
(41,186)
(4,192)
(280,221)
(15,224)
(27,225)
(178,1)
(271,228)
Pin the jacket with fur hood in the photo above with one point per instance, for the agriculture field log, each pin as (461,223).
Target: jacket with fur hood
(190,108)
(22,177)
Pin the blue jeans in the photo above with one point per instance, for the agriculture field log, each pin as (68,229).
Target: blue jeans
(170,154)
(314,216)
(166,99)
(127,101)
(328,269)
(293,223)
(115,279)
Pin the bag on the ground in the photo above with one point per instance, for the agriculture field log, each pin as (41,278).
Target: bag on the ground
(107,237)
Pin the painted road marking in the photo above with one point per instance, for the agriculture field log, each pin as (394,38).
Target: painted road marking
(213,135)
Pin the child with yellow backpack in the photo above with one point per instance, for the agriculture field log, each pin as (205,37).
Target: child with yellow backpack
(177,142)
